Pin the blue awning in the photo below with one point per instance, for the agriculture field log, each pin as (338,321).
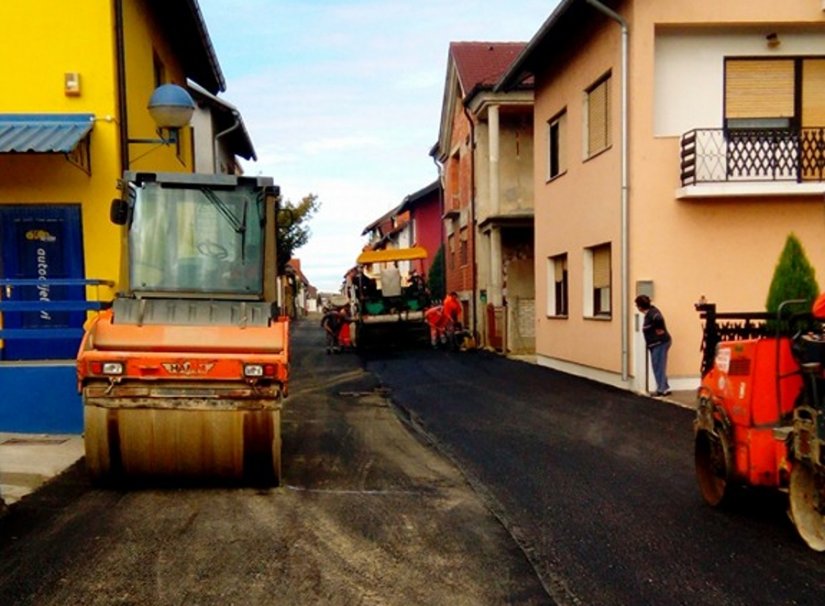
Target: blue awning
(43,133)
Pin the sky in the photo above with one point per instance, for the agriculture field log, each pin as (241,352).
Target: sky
(342,99)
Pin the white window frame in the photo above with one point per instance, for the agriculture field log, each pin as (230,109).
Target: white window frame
(552,302)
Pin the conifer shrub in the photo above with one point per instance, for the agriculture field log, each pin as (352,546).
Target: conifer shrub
(794,278)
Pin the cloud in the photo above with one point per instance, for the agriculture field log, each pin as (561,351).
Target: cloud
(341,143)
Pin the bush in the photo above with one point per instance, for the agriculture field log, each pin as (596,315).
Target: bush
(793,278)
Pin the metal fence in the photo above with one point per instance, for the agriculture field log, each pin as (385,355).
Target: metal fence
(720,155)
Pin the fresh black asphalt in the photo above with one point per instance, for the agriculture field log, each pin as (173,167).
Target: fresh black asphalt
(597,485)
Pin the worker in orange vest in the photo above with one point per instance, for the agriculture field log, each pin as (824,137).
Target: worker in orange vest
(452,309)
(437,321)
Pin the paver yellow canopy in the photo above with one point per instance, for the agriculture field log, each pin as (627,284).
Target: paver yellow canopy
(388,309)
(184,376)
(388,255)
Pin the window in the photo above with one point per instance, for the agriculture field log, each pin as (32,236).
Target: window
(557,286)
(597,282)
(597,114)
(158,70)
(451,245)
(774,112)
(452,184)
(463,257)
(759,93)
(556,141)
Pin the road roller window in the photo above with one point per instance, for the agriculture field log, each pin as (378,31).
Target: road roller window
(196,240)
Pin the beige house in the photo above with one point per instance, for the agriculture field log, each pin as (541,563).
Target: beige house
(676,147)
(485,151)
(219,134)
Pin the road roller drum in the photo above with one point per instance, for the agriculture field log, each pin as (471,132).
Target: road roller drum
(183,444)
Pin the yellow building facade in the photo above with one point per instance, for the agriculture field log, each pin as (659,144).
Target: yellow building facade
(78,77)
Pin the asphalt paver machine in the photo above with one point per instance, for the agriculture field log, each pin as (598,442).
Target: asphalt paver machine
(183,378)
(383,316)
(760,421)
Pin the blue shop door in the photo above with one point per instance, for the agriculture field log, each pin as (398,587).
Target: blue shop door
(42,242)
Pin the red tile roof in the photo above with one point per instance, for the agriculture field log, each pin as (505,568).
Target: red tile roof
(481,64)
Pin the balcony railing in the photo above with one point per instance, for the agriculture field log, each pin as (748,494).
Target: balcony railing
(721,155)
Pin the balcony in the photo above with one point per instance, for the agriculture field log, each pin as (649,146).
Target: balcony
(747,162)
(452,207)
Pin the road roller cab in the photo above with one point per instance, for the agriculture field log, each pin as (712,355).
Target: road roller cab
(760,420)
(184,376)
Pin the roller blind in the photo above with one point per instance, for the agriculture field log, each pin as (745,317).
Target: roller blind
(560,266)
(601,266)
(813,92)
(759,88)
(598,117)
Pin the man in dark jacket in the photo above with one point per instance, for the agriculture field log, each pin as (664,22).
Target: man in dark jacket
(657,340)
(331,322)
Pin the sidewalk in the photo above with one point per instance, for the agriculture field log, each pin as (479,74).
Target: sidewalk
(29,460)
(685,399)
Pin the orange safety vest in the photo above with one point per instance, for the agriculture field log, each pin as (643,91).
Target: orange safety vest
(452,308)
(435,316)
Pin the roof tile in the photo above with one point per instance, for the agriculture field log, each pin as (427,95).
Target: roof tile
(481,64)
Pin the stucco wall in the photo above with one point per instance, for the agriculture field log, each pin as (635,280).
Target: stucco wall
(39,47)
(142,40)
(724,249)
(578,209)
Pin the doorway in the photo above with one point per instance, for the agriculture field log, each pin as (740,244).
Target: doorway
(42,242)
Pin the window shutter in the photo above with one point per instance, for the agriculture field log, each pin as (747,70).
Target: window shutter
(813,92)
(601,267)
(758,88)
(598,105)
(560,266)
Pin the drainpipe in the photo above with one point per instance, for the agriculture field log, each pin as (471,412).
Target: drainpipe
(472,220)
(121,87)
(237,118)
(494,286)
(440,168)
(623,307)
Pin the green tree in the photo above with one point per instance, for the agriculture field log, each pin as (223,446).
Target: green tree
(793,278)
(293,227)
(435,277)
